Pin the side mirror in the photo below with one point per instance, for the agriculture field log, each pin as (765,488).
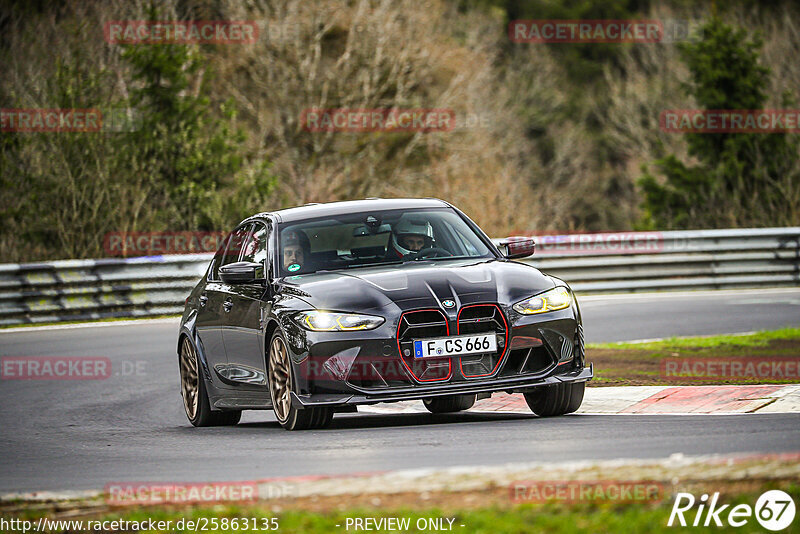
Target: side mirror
(242,272)
(517,247)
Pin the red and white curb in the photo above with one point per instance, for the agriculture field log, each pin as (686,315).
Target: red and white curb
(772,398)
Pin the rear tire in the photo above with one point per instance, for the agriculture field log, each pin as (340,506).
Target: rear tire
(195,396)
(557,399)
(449,404)
(281,385)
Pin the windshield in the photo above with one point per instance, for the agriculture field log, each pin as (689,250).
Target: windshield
(376,238)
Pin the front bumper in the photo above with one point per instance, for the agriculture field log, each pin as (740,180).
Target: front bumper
(371,364)
(514,385)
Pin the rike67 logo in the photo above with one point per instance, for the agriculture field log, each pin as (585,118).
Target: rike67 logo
(774,510)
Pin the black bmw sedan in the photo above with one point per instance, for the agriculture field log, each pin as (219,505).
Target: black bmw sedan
(314,310)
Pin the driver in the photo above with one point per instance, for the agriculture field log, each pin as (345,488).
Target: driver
(296,250)
(409,237)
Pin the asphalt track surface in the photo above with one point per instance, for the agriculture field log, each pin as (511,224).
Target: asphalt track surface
(74,435)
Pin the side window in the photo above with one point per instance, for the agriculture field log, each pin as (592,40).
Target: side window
(255,249)
(215,263)
(235,245)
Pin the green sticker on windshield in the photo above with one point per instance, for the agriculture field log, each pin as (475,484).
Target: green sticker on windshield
(293,267)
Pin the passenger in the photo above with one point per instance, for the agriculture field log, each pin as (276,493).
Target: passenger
(296,251)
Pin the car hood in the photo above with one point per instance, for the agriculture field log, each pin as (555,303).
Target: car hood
(418,285)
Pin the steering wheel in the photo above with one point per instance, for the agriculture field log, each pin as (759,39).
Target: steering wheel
(436,252)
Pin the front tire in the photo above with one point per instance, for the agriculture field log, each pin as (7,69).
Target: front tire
(449,404)
(558,399)
(281,385)
(193,390)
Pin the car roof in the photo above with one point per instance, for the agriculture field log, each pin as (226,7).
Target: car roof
(333,209)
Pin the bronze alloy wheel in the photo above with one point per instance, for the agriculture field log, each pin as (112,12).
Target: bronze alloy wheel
(280,378)
(280,389)
(189,378)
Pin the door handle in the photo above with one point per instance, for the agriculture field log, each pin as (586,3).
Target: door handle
(203,299)
(227,305)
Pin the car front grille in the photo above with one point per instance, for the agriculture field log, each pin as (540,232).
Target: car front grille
(479,319)
(420,324)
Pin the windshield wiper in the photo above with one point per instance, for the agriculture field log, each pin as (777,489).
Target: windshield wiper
(374,264)
(357,265)
(454,258)
(434,258)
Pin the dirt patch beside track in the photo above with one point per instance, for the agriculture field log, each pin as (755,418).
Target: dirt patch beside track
(645,366)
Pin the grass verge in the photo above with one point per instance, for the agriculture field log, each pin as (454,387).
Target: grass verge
(457,515)
(700,360)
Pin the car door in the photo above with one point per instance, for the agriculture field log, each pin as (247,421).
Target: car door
(246,309)
(211,316)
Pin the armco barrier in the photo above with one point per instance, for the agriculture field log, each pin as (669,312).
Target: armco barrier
(77,290)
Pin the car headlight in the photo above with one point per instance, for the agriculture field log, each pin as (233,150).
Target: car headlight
(557,298)
(322,321)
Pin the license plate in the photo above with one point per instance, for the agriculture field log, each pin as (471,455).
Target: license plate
(443,347)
